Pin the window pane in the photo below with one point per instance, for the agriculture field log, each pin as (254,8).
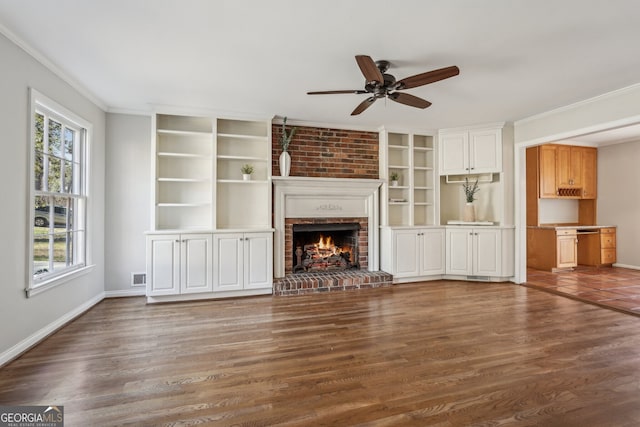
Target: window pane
(68,177)
(62,214)
(40,252)
(38,169)
(41,213)
(59,251)
(54,175)
(39,132)
(69,137)
(55,138)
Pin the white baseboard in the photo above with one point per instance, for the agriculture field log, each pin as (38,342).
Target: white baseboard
(140,291)
(35,338)
(632,267)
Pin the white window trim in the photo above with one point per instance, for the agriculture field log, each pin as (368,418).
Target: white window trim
(35,287)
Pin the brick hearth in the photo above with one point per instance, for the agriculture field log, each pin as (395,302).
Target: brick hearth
(308,283)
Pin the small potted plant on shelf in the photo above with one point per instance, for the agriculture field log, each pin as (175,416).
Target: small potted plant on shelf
(394,176)
(247,170)
(470,191)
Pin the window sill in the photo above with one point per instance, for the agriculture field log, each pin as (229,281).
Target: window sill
(58,280)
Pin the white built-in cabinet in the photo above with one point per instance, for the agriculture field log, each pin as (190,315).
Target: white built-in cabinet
(479,251)
(179,264)
(242,261)
(200,197)
(412,248)
(413,253)
(470,151)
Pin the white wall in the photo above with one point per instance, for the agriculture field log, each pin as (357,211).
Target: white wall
(619,197)
(23,318)
(128,196)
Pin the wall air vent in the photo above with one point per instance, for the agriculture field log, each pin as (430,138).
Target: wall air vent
(138,279)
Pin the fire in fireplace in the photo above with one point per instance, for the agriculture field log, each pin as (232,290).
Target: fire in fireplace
(325,247)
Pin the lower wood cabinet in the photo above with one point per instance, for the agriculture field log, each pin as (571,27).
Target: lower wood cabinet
(597,247)
(208,265)
(552,249)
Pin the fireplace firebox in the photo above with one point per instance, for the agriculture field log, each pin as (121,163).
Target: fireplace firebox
(325,247)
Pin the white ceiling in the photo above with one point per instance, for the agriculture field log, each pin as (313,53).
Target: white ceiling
(517,58)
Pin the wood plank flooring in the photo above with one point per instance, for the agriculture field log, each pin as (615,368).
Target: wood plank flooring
(439,353)
(616,288)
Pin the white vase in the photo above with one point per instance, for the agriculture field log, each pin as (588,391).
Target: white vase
(285,163)
(394,183)
(246,177)
(469,214)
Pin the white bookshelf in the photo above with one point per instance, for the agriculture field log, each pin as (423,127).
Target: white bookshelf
(412,203)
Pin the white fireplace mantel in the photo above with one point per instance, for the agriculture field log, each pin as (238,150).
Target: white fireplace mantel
(303,197)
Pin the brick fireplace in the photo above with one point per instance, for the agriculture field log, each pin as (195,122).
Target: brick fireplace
(314,200)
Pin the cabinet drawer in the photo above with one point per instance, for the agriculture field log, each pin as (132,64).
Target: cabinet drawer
(608,231)
(608,241)
(566,232)
(608,256)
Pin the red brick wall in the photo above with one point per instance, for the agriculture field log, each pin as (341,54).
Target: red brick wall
(329,153)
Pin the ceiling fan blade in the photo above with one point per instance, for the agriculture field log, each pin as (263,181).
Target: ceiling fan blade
(407,99)
(331,92)
(364,105)
(369,69)
(428,77)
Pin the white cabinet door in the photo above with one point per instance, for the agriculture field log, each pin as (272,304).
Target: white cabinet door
(432,252)
(485,151)
(163,264)
(228,251)
(258,260)
(454,153)
(471,152)
(487,251)
(459,251)
(196,263)
(406,253)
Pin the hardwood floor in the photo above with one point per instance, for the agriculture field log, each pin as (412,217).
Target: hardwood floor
(616,288)
(429,354)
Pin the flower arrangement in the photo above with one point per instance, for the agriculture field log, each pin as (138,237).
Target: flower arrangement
(247,169)
(285,139)
(394,176)
(470,189)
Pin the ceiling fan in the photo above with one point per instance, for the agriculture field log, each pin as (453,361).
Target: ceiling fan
(381,85)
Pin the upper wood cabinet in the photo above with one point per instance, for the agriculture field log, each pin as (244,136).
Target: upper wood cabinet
(564,171)
(472,151)
(589,173)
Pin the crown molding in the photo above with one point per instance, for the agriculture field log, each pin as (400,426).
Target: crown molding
(578,104)
(51,66)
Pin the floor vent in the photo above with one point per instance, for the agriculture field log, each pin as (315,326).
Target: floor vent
(138,279)
(483,278)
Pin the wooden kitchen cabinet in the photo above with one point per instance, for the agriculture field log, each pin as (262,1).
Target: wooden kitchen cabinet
(552,249)
(597,247)
(566,249)
(589,173)
(564,171)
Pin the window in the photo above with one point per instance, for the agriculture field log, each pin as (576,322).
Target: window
(58,203)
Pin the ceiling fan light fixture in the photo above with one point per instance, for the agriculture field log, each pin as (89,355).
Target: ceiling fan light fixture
(382,85)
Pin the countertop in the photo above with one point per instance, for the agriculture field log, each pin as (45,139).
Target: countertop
(570,226)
